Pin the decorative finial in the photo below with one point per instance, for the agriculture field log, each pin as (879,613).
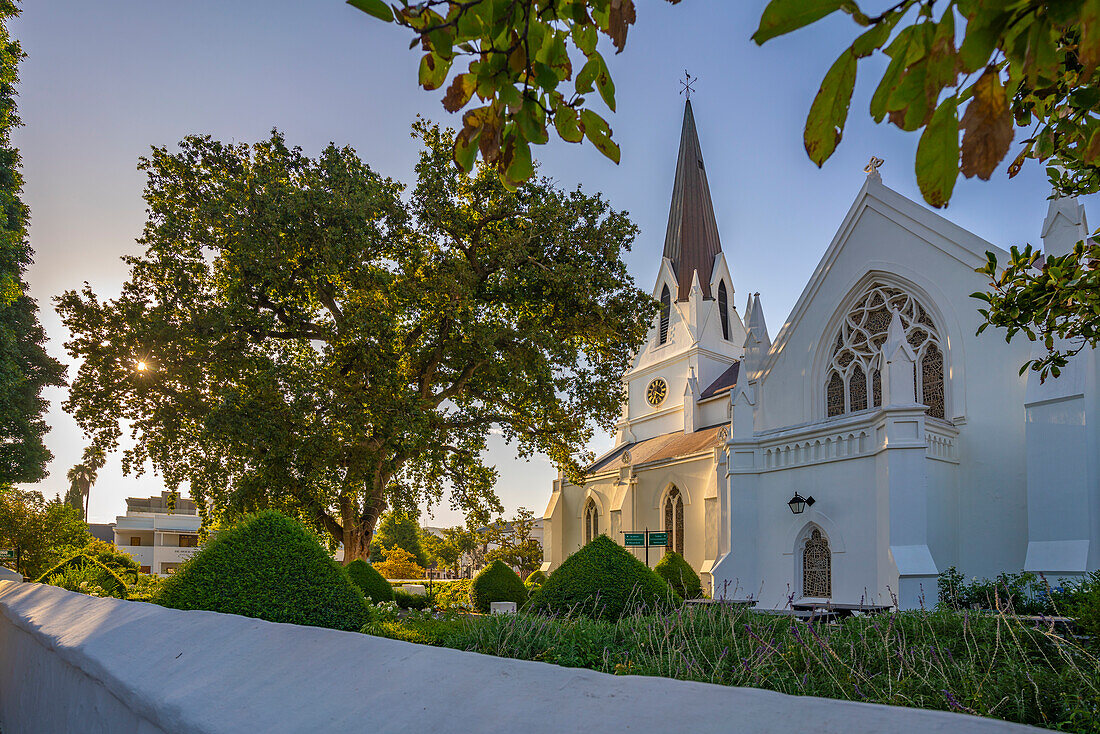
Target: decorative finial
(686,83)
(871,169)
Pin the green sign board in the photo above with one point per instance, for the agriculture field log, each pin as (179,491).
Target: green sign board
(6,554)
(634,538)
(658,539)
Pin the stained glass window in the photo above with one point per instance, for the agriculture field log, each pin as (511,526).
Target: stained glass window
(931,372)
(857,389)
(674,520)
(859,343)
(817,568)
(666,309)
(835,395)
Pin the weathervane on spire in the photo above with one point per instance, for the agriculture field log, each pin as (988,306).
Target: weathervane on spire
(686,83)
(871,169)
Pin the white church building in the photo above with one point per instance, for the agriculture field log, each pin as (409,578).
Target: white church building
(919,443)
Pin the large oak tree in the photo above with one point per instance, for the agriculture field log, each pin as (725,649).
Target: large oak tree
(299,334)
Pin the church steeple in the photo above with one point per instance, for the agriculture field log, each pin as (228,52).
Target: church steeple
(691,241)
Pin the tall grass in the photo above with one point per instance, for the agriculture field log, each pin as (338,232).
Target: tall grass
(989,665)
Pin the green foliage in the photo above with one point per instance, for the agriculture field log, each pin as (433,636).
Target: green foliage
(436,632)
(87,575)
(1055,300)
(536,577)
(496,582)
(984,664)
(145,588)
(1013,593)
(454,595)
(268,567)
(513,542)
(25,367)
(601,580)
(520,56)
(680,575)
(38,531)
(405,600)
(369,581)
(398,529)
(318,343)
(1027,64)
(110,556)
(1082,602)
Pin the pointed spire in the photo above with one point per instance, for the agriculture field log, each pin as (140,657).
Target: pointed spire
(1064,226)
(691,241)
(898,382)
(757,325)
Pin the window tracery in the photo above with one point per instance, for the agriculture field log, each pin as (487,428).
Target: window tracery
(857,353)
(817,571)
(674,520)
(591,521)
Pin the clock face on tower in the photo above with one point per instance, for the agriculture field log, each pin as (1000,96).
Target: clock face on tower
(656,392)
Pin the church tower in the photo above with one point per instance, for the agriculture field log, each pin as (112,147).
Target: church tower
(678,380)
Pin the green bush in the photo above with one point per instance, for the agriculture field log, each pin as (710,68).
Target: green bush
(1082,602)
(268,567)
(601,580)
(454,595)
(405,600)
(436,632)
(122,563)
(87,575)
(680,575)
(496,582)
(536,577)
(369,581)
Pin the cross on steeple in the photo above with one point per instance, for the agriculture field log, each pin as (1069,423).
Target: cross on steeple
(686,83)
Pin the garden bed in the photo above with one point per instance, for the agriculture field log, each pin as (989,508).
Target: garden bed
(995,666)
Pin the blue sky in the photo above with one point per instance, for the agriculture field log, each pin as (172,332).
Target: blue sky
(106,80)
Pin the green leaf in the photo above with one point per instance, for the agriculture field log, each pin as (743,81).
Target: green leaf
(377,8)
(825,123)
(597,131)
(568,124)
(938,154)
(784,16)
(433,71)
(519,166)
(898,52)
(605,86)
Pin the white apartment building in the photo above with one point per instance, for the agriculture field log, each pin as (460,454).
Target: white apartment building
(158,538)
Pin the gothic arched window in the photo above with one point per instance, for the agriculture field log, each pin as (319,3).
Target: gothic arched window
(674,520)
(666,309)
(724,309)
(591,521)
(817,567)
(857,353)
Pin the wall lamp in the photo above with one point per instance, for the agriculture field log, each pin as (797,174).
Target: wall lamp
(798,503)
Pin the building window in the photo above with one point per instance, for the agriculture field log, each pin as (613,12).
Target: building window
(591,521)
(145,569)
(135,540)
(817,580)
(724,309)
(666,310)
(674,520)
(189,541)
(834,395)
(857,353)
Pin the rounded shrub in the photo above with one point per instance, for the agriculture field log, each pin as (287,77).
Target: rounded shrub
(496,582)
(536,577)
(601,580)
(268,567)
(680,575)
(373,585)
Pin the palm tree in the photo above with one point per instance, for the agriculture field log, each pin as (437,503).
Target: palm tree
(82,476)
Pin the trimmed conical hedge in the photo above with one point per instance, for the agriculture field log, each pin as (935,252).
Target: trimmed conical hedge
(373,585)
(680,575)
(601,580)
(269,567)
(536,577)
(496,582)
